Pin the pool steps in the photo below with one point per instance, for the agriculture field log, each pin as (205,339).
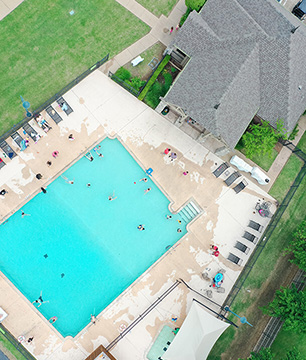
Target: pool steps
(189,212)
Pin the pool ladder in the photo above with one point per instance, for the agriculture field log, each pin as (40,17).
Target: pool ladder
(189,212)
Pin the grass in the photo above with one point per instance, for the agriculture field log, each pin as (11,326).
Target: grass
(302,143)
(14,354)
(286,340)
(158,7)
(142,70)
(286,178)
(271,270)
(43,48)
(265,162)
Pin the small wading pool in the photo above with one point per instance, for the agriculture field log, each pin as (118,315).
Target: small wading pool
(80,249)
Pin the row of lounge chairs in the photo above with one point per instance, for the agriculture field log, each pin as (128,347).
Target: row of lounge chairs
(241,246)
(31,132)
(232,178)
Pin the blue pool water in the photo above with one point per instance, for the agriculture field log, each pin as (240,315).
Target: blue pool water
(80,249)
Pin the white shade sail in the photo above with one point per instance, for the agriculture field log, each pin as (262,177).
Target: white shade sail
(197,335)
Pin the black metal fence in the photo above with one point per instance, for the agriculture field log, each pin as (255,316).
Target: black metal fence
(18,346)
(272,225)
(125,85)
(54,97)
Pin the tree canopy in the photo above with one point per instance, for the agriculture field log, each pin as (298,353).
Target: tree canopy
(297,246)
(266,354)
(290,306)
(261,138)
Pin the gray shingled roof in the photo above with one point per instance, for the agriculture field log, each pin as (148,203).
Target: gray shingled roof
(244,58)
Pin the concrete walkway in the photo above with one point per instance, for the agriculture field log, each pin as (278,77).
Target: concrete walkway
(7,6)
(159,32)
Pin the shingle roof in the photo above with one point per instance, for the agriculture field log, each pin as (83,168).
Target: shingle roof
(244,57)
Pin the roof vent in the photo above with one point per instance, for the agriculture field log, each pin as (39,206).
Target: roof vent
(216,106)
(294,29)
(300,87)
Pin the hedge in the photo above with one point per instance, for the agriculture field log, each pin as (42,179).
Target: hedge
(159,69)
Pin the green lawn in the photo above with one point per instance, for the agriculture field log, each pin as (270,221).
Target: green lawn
(286,178)
(268,274)
(302,143)
(43,48)
(265,162)
(158,7)
(14,354)
(286,340)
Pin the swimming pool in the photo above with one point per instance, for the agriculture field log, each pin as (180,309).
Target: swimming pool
(80,249)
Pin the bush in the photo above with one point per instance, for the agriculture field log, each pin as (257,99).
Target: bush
(185,16)
(154,77)
(137,83)
(173,69)
(123,74)
(195,4)
(157,90)
(168,80)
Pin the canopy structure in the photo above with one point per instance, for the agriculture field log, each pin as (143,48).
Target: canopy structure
(197,335)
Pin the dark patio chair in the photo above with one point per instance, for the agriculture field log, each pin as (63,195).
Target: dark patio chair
(234,259)
(7,149)
(53,114)
(2,163)
(234,176)
(256,226)
(31,132)
(61,101)
(220,169)
(250,237)
(240,186)
(240,246)
(17,139)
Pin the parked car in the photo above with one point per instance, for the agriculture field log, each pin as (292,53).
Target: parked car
(300,9)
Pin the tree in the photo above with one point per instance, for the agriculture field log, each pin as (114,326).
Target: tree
(297,246)
(294,354)
(195,4)
(261,138)
(290,306)
(263,354)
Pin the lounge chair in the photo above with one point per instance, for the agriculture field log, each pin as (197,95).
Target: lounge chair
(240,186)
(240,246)
(53,114)
(234,176)
(64,105)
(220,169)
(250,237)
(256,226)
(2,163)
(234,259)
(7,149)
(31,132)
(17,139)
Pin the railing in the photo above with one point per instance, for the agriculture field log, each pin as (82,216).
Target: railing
(125,85)
(23,351)
(54,97)
(295,150)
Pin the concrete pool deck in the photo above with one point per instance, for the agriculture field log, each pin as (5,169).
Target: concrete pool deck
(102,108)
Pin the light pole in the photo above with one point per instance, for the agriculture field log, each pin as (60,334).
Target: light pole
(242,319)
(26,106)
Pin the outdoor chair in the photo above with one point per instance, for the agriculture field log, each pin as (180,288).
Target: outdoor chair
(61,101)
(53,114)
(220,290)
(220,169)
(2,163)
(222,271)
(234,176)
(240,186)
(243,248)
(234,259)
(17,139)
(256,226)
(205,276)
(31,132)
(250,237)
(7,149)
(209,294)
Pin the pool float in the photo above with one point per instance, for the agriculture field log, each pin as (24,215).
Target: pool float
(55,153)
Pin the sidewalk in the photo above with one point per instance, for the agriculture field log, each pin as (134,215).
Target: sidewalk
(159,32)
(7,6)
